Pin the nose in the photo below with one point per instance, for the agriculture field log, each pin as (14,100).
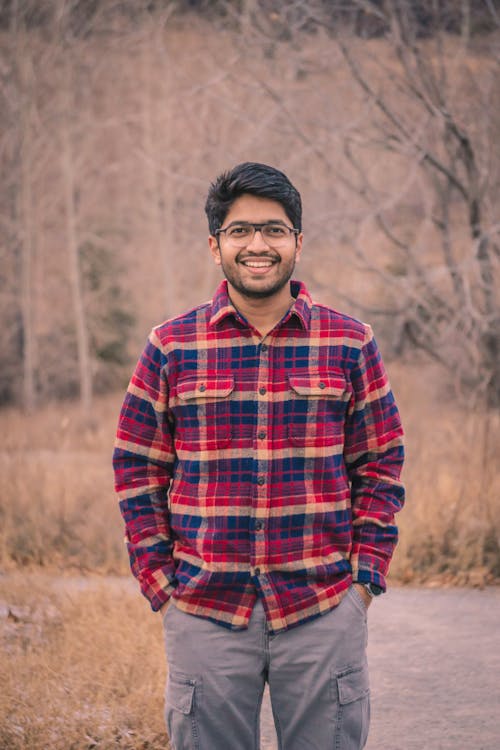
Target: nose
(258,241)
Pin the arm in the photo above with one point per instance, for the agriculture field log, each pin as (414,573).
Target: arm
(374,458)
(143,462)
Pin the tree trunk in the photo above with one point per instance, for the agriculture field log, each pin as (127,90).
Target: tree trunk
(156,144)
(26,234)
(75,274)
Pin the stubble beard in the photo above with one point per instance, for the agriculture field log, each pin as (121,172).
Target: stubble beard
(255,292)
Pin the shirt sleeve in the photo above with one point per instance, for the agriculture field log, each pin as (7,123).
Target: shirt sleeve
(374,458)
(143,461)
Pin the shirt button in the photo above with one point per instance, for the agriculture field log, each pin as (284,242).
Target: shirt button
(261,435)
(262,391)
(257,571)
(261,480)
(203,387)
(259,525)
(264,347)
(322,385)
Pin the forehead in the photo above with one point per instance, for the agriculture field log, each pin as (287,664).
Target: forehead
(255,209)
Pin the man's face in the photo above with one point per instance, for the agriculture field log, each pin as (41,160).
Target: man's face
(257,270)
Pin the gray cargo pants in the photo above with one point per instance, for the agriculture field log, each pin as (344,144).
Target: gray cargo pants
(317,675)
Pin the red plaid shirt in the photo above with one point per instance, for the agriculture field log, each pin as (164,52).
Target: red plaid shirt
(249,467)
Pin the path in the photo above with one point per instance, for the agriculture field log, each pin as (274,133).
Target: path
(435,671)
(434,659)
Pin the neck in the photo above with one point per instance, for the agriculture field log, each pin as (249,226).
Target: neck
(262,312)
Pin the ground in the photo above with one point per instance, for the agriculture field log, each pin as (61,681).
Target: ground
(92,643)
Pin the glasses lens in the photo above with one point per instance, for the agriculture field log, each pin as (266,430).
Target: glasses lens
(240,234)
(274,235)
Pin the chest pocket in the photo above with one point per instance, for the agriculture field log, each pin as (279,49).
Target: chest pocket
(203,412)
(318,405)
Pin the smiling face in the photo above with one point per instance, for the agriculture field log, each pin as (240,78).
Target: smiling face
(257,270)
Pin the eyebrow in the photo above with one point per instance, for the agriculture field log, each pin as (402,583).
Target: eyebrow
(258,223)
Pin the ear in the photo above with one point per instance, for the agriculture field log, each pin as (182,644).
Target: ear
(214,249)
(298,247)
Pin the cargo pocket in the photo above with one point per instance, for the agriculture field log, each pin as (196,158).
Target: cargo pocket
(352,693)
(180,702)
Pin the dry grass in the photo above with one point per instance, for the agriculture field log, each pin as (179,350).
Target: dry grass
(83,663)
(83,666)
(58,507)
(450,526)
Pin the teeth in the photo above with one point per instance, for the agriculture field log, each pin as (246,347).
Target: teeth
(258,263)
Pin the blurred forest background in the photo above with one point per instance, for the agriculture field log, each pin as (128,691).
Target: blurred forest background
(115,116)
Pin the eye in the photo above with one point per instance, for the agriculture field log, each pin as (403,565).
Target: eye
(275,230)
(240,230)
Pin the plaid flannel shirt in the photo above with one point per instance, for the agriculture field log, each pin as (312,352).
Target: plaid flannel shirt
(254,467)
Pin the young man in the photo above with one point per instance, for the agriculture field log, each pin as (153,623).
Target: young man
(257,461)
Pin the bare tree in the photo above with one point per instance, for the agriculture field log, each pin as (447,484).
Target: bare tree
(433,107)
(72,241)
(392,139)
(157,140)
(420,170)
(27,232)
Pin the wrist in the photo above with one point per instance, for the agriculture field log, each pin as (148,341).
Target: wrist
(363,594)
(367,591)
(372,589)
(164,607)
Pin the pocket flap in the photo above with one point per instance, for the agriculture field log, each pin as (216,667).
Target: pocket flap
(353,684)
(180,693)
(205,386)
(318,384)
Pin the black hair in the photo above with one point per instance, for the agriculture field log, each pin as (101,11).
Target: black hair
(255,179)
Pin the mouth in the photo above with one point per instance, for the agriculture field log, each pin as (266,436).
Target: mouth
(258,264)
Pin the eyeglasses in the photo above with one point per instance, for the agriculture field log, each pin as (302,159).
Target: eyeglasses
(273,233)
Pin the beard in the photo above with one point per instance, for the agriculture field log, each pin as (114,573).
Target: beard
(259,288)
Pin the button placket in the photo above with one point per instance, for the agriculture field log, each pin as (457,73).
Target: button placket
(262,494)
(261,497)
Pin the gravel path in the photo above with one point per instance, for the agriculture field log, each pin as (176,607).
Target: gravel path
(435,671)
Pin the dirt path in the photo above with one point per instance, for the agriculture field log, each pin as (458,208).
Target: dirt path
(435,671)
(434,665)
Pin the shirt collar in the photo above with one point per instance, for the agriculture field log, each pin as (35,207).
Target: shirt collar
(222,307)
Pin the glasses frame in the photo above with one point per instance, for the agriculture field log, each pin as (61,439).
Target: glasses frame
(257,227)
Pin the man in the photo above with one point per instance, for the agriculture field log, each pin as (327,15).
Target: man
(257,460)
